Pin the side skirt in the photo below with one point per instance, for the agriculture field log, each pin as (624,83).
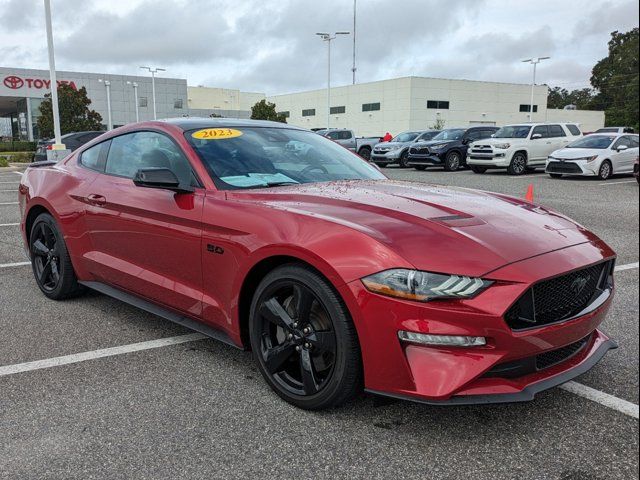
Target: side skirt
(160,311)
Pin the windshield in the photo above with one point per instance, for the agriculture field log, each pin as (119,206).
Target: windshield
(513,131)
(257,157)
(406,137)
(449,135)
(599,142)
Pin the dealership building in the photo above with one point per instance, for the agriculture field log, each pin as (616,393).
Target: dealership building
(373,108)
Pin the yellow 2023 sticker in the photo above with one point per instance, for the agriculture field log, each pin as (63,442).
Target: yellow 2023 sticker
(216,133)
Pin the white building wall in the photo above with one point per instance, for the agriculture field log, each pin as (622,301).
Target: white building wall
(209,98)
(589,120)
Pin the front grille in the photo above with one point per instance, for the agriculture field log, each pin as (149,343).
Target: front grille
(419,151)
(563,167)
(528,365)
(560,298)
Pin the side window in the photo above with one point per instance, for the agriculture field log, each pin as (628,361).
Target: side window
(556,131)
(333,135)
(540,130)
(134,151)
(486,134)
(575,131)
(345,135)
(92,157)
(622,141)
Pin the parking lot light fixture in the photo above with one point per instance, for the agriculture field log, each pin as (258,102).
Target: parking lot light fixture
(327,37)
(58,145)
(107,85)
(153,71)
(533,61)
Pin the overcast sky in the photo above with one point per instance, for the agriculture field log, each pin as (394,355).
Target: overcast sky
(269,45)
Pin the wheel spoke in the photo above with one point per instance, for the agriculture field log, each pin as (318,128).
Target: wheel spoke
(43,234)
(303,301)
(275,313)
(45,272)
(40,248)
(275,357)
(55,272)
(308,374)
(323,341)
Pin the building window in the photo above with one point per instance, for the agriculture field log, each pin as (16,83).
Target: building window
(177,103)
(527,108)
(337,110)
(438,104)
(142,102)
(285,114)
(370,107)
(309,112)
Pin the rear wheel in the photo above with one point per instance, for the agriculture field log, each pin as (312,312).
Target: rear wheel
(452,162)
(403,159)
(478,169)
(605,171)
(50,260)
(303,340)
(365,152)
(518,165)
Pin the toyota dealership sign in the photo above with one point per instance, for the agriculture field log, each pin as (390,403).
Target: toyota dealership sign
(28,86)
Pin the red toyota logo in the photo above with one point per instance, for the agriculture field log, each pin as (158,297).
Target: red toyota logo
(13,82)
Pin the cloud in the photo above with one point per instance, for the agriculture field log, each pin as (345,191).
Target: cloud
(18,15)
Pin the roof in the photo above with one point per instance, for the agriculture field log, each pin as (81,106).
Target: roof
(192,123)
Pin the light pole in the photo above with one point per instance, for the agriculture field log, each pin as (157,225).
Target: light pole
(107,85)
(327,37)
(58,145)
(135,97)
(353,68)
(153,72)
(533,61)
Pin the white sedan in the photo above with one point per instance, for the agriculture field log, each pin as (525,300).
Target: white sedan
(600,155)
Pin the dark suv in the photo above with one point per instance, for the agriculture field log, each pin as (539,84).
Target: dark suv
(448,149)
(72,141)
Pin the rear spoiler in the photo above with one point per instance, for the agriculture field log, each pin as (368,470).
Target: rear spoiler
(47,163)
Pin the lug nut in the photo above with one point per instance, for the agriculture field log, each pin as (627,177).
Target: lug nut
(290,336)
(295,325)
(298,348)
(307,345)
(306,330)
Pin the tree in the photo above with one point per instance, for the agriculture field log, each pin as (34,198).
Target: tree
(264,110)
(581,98)
(438,124)
(75,114)
(617,81)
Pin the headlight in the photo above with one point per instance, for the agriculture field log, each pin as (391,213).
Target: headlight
(502,146)
(394,147)
(423,286)
(439,146)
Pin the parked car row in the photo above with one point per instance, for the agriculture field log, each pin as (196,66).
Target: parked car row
(363,146)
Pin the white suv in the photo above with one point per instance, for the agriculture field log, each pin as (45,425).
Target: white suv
(519,148)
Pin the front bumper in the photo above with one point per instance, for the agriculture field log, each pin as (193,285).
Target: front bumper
(431,159)
(495,159)
(567,167)
(456,375)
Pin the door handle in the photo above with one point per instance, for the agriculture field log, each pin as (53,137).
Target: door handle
(96,200)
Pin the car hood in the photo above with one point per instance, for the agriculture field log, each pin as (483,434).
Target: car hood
(393,145)
(573,153)
(435,228)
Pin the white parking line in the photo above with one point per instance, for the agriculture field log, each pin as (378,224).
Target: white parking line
(9,203)
(18,173)
(628,266)
(532,175)
(92,355)
(16,264)
(8,190)
(616,183)
(3,183)
(602,398)
(9,224)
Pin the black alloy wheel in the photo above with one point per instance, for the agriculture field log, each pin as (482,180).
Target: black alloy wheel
(518,164)
(404,158)
(452,162)
(50,260)
(302,339)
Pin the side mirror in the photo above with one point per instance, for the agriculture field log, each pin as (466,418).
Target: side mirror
(161,178)
(622,148)
(535,136)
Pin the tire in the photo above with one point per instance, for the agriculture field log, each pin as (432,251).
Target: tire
(421,168)
(518,165)
(478,169)
(606,170)
(555,175)
(402,162)
(310,359)
(452,162)
(365,152)
(50,260)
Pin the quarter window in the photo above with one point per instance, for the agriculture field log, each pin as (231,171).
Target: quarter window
(575,131)
(370,107)
(91,157)
(556,131)
(134,151)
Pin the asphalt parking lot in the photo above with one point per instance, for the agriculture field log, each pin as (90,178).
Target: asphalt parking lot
(200,409)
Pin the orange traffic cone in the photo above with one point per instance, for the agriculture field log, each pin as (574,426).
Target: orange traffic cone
(529,196)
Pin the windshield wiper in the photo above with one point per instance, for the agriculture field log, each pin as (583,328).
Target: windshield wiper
(280,184)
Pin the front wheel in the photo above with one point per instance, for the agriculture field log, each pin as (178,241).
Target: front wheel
(518,165)
(50,260)
(303,340)
(403,159)
(605,170)
(452,162)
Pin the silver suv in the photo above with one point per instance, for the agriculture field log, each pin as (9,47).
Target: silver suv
(397,150)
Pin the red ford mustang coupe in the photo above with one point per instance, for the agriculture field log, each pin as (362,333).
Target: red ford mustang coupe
(275,239)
